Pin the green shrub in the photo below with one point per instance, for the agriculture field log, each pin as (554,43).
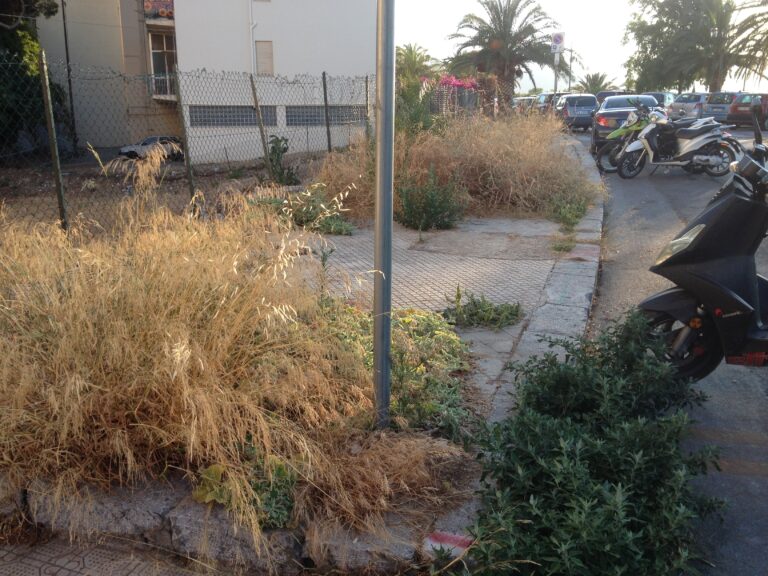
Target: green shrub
(588,479)
(468,311)
(278,148)
(431,206)
(568,209)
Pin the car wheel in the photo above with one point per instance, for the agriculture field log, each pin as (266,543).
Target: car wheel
(132,156)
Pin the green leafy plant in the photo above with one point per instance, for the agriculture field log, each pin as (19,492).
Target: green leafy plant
(568,210)
(432,205)
(278,148)
(564,244)
(311,209)
(588,478)
(468,310)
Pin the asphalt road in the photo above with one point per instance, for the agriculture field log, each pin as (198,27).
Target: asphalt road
(642,216)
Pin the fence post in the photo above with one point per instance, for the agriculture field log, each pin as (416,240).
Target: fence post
(185,141)
(327,112)
(262,131)
(51,122)
(367,108)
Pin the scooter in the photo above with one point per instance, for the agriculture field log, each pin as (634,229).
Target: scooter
(699,144)
(719,305)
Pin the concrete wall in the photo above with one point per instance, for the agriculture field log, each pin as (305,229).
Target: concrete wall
(308,36)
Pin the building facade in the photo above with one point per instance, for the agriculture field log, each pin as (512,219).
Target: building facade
(124,55)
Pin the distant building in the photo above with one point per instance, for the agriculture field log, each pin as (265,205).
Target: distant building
(124,54)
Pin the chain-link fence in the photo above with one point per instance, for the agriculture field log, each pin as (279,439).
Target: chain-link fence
(217,127)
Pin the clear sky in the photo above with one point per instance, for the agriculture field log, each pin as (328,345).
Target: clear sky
(600,46)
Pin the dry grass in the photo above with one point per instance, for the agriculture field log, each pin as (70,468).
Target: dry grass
(167,345)
(511,165)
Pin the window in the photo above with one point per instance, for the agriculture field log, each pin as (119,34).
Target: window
(721,98)
(265,63)
(315,115)
(628,101)
(582,101)
(231,116)
(163,50)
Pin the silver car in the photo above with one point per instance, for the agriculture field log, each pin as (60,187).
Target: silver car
(172,145)
(689,104)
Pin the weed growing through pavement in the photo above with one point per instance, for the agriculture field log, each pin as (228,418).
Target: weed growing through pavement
(564,243)
(467,310)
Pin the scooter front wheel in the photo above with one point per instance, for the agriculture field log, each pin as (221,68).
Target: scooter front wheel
(606,157)
(631,164)
(700,354)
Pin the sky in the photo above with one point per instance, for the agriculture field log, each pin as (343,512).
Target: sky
(601,46)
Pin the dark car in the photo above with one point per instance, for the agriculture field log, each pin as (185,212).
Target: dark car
(171,144)
(576,110)
(664,99)
(545,101)
(741,110)
(718,105)
(608,93)
(612,112)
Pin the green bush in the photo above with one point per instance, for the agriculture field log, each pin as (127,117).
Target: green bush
(285,175)
(431,206)
(588,479)
(469,311)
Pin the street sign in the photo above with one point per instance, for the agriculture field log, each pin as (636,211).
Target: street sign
(558,42)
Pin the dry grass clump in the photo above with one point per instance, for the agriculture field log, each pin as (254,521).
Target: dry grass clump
(513,164)
(173,344)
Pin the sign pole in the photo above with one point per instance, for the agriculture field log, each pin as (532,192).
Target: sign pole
(558,45)
(557,63)
(385,152)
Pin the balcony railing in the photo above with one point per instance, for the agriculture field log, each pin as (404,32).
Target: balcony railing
(163,87)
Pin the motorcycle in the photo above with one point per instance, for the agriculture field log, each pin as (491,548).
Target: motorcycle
(700,144)
(607,156)
(719,305)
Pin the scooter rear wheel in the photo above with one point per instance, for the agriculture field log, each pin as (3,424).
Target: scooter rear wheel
(703,354)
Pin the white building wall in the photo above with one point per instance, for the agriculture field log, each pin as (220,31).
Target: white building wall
(309,37)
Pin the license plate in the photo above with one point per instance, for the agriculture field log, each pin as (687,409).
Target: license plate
(581,112)
(745,108)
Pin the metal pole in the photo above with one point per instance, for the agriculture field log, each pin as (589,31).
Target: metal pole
(52,140)
(367,108)
(385,151)
(570,71)
(557,64)
(327,112)
(69,75)
(185,142)
(262,131)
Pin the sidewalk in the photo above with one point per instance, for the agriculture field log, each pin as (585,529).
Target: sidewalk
(506,260)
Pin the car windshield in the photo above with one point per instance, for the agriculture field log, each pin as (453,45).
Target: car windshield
(582,101)
(628,101)
(746,99)
(150,140)
(722,98)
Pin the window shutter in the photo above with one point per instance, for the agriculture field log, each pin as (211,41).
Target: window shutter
(265,64)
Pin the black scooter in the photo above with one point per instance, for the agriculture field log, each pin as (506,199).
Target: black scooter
(719,306)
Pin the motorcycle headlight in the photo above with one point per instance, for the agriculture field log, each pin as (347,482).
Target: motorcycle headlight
(632,118)
(679,244)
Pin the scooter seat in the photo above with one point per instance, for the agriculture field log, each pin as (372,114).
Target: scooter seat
(682,123)
(691,133)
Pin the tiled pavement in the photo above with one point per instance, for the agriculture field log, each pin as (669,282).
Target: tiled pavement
(492,257)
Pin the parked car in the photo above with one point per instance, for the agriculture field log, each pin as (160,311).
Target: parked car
(740,112)
(664,99)
(607,93)
(689,104)
(546,100)
(718,105)
(522,104)
(612,112)
(172,145)
(576,110)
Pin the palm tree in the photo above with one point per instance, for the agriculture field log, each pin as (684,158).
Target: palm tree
(414,63)
(752,33)
(594,83)
(507,41)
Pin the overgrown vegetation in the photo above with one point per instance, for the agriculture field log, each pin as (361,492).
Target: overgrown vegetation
(467,311)
(285,175)
(512,165)
(204,346)
(588,478)
(432,205)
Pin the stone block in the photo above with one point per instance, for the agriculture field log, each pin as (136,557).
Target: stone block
(569,290)
(557,320)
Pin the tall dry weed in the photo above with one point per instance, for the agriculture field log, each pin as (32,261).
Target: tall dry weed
(516,164)
(167,345)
